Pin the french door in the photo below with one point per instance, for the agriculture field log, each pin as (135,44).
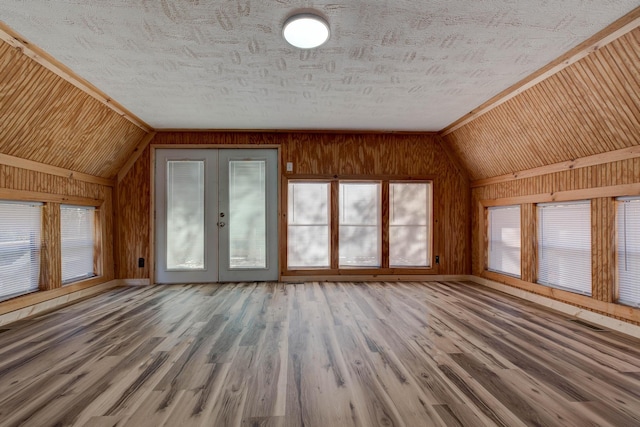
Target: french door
(216,215)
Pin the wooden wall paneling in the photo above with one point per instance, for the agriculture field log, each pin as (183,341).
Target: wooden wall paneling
(615,30)
(385,221)
(48,120)
(529,242)
(600,183)
(617,311)
(588,108)
(51,249)
(27,184)
(314,154)
(15,40)
(603,248)
(52,170)
(135,154)
(134,205)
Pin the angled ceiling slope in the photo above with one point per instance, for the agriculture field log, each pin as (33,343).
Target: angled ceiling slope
(408,65)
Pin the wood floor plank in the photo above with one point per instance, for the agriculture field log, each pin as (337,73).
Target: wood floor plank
(314,354)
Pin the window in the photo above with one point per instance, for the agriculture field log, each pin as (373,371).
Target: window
(409,218)
(629,251)
(504,239)
(360,235)
(308,225)
(564,246)
(20,224)
(77,235)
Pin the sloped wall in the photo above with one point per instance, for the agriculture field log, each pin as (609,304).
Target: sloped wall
(590,107)
(49,120)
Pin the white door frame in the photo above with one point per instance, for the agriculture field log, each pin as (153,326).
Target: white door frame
(152,190)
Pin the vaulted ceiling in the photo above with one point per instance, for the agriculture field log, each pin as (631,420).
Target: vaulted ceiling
(389,65)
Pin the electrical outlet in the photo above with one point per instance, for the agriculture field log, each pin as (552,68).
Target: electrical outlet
(289,166)
(141,262)
(437,259)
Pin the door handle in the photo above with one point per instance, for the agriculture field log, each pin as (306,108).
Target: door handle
(221,224)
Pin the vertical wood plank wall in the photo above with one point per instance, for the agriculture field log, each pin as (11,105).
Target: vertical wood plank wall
(588,108)
(314,153)
(48,120)
(603,216)
(25,180)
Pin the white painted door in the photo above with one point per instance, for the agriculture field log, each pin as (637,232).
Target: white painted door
(216,215)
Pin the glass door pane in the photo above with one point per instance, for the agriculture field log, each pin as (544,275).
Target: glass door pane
(186,211)
(247,214)
(185,215)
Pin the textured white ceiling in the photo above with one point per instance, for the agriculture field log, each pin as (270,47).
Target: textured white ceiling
(389,65)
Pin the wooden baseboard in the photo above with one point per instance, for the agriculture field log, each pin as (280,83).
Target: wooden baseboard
(374,278)
(135,282)
(55,302)
(580,313)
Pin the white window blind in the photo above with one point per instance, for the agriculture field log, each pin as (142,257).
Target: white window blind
(20,224)
(564,246)
(360,236)
(629,251)
(185,215)
(504,240)
(409,224)
(308,225)
(77,236)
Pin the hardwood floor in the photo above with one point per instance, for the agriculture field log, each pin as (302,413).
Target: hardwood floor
(314,354)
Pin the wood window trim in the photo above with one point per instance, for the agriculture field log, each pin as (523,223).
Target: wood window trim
(608,193)
(50,269)
(335,269)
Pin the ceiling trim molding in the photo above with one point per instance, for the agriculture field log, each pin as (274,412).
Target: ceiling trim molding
(617,29)
(582,162)
(31,165)
(49,62)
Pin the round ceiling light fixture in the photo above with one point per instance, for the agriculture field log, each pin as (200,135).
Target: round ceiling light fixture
(305,31)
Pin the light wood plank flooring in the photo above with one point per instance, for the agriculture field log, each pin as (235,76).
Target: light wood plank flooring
(314,354)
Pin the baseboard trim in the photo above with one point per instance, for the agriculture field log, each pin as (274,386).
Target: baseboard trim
(374,278)
(580,313)
(135,282)
(56,302)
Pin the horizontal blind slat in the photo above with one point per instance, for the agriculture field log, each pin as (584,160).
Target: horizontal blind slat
(20,225)
(77,237)
(504,240)
(629,251)
(564,246)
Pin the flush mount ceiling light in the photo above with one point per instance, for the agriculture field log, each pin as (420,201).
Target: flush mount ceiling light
(305,31)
